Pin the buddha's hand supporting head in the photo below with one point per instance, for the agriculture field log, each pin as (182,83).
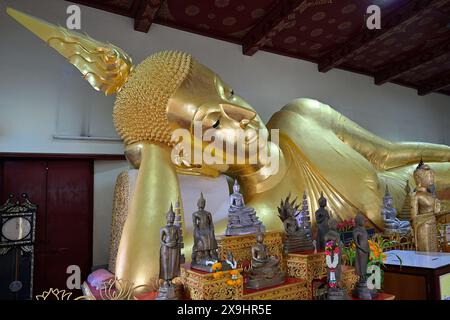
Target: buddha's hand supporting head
(172,100)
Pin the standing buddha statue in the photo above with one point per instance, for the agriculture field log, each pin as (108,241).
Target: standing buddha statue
(361,239)
(322,218)
(205,244)
(424,208)
(170,257)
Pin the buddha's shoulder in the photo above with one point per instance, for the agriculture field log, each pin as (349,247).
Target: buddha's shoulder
(306,109)
(306,106)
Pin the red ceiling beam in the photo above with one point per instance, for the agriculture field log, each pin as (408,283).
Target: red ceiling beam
(394,70)
(435,83)
(102,6)
(145,14)
(272,23)
(340,55)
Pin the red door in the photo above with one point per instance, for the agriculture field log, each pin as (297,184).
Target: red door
(63,191)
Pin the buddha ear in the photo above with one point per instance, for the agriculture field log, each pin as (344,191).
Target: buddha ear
(240,114)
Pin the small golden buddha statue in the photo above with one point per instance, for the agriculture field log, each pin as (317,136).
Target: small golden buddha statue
(424,209)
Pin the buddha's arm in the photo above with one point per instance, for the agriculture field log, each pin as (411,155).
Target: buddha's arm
(156,188)
(414,207)
(381,153)
(385,154)
(320,161)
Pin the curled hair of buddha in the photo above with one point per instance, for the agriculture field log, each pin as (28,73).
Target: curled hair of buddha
(140,110)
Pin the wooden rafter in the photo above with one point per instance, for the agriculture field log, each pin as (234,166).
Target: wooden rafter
(358,43)
(435,83)
(394,70)
(146,11)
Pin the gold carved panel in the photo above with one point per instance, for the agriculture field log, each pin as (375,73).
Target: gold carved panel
(241,246)
(202,286)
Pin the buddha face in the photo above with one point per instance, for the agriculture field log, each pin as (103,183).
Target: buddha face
(170,217)
(204,104)
(424,176)
(388,202)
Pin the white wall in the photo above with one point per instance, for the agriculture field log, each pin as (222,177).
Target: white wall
(104,175)
(35,81)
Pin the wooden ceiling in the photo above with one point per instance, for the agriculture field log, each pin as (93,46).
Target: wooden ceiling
(412,48)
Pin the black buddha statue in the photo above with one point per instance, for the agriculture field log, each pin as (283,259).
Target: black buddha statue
(265,270)
(322,218)
(170,257)
(361,239)
(205,249)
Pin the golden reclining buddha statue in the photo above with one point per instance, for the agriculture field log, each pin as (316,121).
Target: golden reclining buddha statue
(319,149)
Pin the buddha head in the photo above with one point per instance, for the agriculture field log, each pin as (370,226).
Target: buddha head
(167,91)
(260,237)
(360,220)
(236,187)
(322,201)
(423,176)
(170,91)
(201,202)
(170,216)
(387,199)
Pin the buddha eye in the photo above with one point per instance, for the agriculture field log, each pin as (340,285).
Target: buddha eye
(216,124)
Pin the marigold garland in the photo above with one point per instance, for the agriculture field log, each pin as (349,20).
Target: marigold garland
(332,264)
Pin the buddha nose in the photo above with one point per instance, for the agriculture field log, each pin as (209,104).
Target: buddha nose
(239,113)
(244,123)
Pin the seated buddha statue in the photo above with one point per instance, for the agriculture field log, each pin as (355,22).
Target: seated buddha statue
(424,209)
(236,198)
(318,148)
(265,270)
(391,223)
(297,238)
(241,219)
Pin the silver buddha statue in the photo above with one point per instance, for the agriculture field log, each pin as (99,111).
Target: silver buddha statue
(297,238)
(241,219)
(170,257)
(391,223)
(205,248)
(265,270)
(322,218)
(361,240)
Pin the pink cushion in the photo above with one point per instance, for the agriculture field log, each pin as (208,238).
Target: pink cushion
(98,277)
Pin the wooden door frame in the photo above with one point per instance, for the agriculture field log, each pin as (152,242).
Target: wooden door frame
(65,156)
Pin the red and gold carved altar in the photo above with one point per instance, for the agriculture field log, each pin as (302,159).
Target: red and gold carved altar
(301,270)
(201,285)
(349,278)
(292,289)
(241,246)
(306,265)
(311,266)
